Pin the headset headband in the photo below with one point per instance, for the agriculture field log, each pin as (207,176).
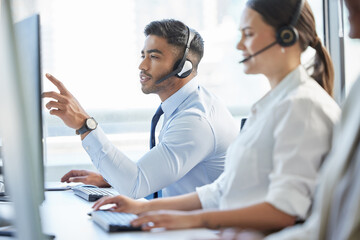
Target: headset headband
(297,14)
(179,67)
(191,36)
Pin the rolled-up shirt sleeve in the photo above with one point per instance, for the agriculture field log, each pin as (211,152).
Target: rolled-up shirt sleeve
(210,194)
(296,160)
(181,148)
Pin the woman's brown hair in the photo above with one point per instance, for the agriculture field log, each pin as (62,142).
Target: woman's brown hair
(278,13)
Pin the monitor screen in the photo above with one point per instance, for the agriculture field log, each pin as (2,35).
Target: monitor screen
(27,36)
(27,33)
(20,119)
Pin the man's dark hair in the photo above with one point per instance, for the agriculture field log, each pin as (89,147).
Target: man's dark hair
(176,33)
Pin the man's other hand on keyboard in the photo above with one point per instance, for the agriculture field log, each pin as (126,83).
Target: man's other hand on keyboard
(122,204)
(86,177)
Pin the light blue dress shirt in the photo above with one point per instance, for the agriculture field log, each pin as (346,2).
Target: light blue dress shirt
(197,130)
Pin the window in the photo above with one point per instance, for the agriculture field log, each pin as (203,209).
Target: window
(351,46)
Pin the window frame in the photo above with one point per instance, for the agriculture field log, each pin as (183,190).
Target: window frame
(334,42)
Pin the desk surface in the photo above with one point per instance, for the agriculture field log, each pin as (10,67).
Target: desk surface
(65,216)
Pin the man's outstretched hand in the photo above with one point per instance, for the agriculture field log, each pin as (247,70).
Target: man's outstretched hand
(65,105)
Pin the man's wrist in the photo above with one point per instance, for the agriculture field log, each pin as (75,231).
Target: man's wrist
(89,125)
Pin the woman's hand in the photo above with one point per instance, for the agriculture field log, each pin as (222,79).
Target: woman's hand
(122,204)
(168,219)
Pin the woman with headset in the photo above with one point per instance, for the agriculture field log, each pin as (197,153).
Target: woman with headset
(271,168)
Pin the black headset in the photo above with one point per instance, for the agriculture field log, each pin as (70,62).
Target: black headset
(183,67)
(288,35)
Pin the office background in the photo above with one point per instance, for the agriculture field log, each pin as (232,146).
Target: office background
(94,46)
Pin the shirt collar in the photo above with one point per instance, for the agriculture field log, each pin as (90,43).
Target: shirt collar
(174,101)
(292,80)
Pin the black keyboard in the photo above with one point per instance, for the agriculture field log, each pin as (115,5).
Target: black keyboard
(91,193)
(114,221)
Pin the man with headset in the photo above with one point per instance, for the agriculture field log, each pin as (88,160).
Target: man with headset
(196,131)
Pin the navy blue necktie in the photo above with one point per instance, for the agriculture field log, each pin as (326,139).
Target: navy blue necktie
(154,122)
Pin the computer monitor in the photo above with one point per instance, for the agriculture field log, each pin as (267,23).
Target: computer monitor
(27,34)
(20,121)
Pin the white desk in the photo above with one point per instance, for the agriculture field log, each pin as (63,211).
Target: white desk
(65,216)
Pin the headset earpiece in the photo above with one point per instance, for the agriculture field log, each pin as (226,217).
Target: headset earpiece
(183,67)
(186,69)
(287,36)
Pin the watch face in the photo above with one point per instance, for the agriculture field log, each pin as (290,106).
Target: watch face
(91,123)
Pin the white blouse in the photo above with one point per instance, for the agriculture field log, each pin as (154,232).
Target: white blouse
(336,210)
(277,155)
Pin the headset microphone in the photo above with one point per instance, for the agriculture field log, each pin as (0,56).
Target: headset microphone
(165,77)
(180,72)
(286,35)
(183,67)
(258,52)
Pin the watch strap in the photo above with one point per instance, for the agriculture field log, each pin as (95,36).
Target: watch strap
(84,128)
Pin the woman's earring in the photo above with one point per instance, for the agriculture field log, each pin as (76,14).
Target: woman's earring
(283,50)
